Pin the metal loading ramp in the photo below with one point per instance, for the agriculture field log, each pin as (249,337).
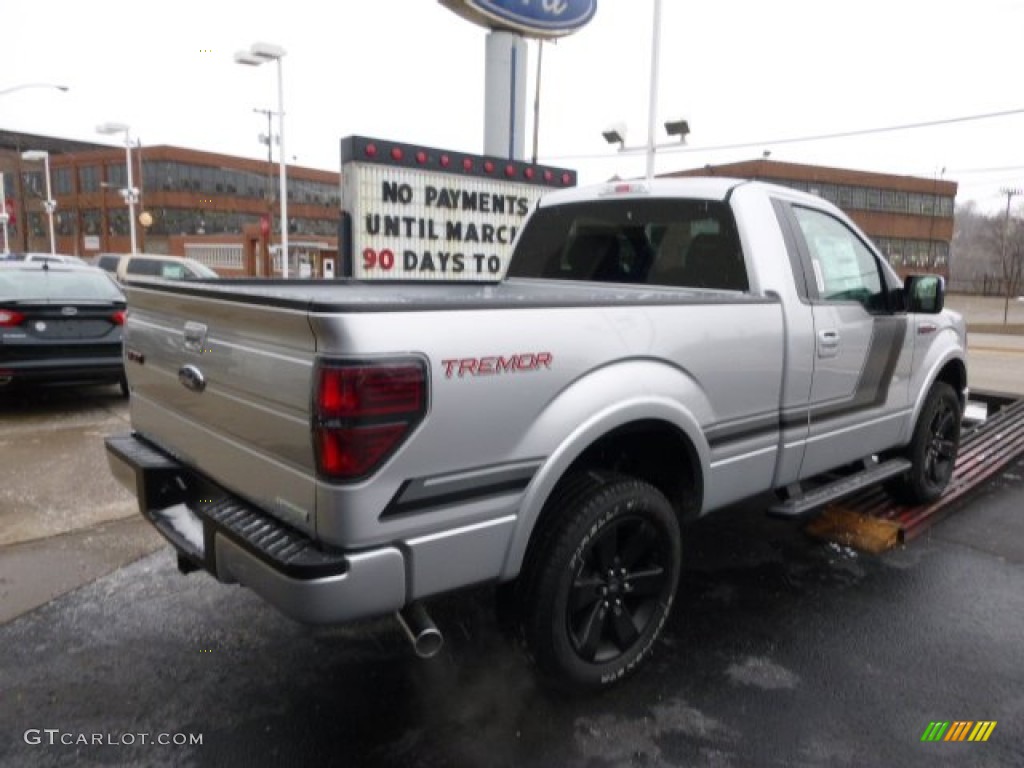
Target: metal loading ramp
(870,520)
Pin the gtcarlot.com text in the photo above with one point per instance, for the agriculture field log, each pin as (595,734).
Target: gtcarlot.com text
(54,737)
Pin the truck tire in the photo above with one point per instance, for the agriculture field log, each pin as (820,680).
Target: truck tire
(598,587)
(932,450)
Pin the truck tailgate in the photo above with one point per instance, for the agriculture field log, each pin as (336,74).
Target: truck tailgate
(224,386)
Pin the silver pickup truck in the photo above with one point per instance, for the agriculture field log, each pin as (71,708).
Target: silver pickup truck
(657,351)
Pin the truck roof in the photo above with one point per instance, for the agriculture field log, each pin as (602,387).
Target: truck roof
(698,187)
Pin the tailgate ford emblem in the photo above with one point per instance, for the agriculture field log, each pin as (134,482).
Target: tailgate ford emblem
(192,378)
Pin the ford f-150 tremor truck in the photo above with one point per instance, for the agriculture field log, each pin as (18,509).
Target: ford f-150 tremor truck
(657,350)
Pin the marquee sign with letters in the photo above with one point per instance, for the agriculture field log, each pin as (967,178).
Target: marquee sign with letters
(419,213)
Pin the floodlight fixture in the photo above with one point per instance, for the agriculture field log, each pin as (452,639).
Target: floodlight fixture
(615,134)
(680,128)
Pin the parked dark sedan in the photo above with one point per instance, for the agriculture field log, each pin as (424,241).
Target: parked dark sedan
(60,323)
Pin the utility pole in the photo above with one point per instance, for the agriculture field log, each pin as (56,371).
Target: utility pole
(1008,270)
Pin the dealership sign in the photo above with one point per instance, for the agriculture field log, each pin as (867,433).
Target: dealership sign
(418,213)
(533,18)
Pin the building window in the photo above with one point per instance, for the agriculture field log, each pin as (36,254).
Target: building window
(34,184)
(36,227)
(64,223)
(92,221)
(88,178)
(116,176)
(117,222)
(62,181)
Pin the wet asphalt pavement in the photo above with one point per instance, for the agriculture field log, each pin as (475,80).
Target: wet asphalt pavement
(781,651)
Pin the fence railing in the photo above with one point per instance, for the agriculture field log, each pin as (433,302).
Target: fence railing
(223,255)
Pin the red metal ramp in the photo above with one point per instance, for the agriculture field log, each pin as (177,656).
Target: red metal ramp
(872,521)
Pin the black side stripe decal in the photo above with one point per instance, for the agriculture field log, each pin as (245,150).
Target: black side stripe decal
(872,388)
(872,391)
(425,493)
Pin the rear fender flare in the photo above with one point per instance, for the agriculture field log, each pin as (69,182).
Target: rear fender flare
(614,409)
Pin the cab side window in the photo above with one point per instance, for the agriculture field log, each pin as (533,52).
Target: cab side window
(844,268)
(172,271)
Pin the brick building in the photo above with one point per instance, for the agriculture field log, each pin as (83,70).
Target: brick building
(909,219)
(220,209)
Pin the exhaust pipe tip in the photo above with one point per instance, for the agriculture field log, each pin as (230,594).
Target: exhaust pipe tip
(423,634)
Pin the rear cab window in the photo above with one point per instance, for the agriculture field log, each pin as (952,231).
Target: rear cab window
(137,266)
(681,243)
(108,263)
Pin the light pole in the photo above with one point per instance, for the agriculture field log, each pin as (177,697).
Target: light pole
(652,110)
(261,53)
(269,113)
(130,193)
(4,216)
(49,204)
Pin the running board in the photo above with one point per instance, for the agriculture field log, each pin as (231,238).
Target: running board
(840,488)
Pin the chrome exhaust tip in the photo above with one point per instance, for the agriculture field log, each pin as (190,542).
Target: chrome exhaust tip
(424,635)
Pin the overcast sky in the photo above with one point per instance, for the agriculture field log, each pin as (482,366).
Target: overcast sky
(741,71)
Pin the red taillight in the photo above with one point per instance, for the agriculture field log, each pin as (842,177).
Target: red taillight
(118,317)
(363,412)
(10,319)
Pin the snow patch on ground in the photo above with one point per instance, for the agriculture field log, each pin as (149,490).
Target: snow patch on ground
(762,673)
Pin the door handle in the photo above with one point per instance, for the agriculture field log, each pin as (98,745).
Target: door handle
(828,343)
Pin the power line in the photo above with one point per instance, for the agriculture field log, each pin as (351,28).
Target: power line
(1000,169)
(814,137)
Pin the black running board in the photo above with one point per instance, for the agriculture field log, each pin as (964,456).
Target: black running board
(838,489)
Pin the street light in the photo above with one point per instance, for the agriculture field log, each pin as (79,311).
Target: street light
(261,53)
(616,134)
(49,204)
(14,88)
(4,216)
(130,193)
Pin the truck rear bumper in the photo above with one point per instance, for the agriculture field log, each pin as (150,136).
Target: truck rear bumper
(237,542)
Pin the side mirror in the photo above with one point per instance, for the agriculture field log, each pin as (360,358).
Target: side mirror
(925,294)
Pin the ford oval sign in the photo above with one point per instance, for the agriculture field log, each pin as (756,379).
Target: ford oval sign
(534,18)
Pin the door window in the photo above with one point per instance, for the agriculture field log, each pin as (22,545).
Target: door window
(844,268)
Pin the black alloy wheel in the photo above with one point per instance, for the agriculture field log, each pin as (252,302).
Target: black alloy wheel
(621,577)
(599,580)
(943,441)
(932,450)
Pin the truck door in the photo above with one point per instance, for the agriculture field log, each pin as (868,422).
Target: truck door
(862,347)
